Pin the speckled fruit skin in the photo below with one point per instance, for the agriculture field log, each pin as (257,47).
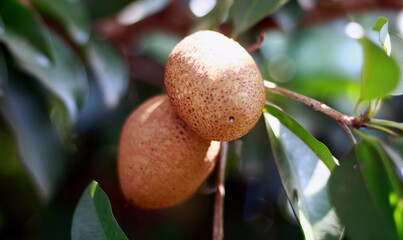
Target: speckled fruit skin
(161,161)
(215,86)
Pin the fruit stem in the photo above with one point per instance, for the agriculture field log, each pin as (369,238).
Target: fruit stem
(315,104)
(218,223)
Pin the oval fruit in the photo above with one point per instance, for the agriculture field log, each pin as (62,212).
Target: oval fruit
(214,86)
(161,161)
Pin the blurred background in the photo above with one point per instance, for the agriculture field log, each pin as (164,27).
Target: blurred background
(62,110)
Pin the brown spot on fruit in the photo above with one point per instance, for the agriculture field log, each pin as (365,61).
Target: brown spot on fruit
(225,81)
(161,161)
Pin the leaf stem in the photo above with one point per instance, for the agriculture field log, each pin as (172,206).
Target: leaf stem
(348,132)
(315,104)
(218,223)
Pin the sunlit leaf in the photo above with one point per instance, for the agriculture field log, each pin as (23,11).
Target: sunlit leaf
(245,14)
(39,146)
(3,74)
(71,15)
(380,73)
(66,77)
(28,28)
(318,148)
(304,178)
(93,217)
(141,9)
(393,45)
(361,192)
(109,69)
(215,17)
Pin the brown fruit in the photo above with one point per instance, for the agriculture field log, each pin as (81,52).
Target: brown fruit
(215,86)
(161,161)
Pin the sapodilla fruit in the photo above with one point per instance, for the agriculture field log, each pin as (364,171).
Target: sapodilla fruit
(161,161)
(215,86)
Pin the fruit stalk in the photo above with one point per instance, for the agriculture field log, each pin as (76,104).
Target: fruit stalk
(218,224)
(315,104)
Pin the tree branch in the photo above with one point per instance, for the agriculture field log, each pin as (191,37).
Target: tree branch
(315,104)
(218,223)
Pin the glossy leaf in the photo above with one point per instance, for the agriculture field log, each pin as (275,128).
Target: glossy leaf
(245,14)
(71,15)
(109,69)
(215,17)
(361,192)
(140,9)
(318,148)
(93,217)
(39,146)
(28,28)
(380,73)
(393,46)
(3,74)
(66,77)
(304,178)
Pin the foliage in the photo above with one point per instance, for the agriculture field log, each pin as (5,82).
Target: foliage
(65,68)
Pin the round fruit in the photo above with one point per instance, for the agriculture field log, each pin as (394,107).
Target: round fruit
(215,86)
(161,161)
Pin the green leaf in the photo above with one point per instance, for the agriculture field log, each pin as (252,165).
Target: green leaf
(93,217)
(318,148)
(39,146)
(25,25)
(361,192)
(393,46)
(380,73)
(140,9)
(3,74)
(245,14)
(304,178)
(158,45)
(109,69)
(66,77)
(215,17)
(71,15)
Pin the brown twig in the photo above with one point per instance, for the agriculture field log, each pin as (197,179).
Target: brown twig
(218,223)
(256,45)
(316,105)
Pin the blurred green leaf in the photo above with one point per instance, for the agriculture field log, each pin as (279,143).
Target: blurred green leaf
(72,15)
(3,74)
(361,192)
(39,146)
(304,178)
(2,27)
(141,9)
(158,45)
(245,14)
(93,217)
(380,73)
(24,24)
(214,18)
(109,69)
(318,148)
(66,77)
(393,46)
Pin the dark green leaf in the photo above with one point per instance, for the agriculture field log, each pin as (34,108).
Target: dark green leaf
(66,77)
(71,15)
(141,9)
(93,217)
(158,45)
(380,73)
(215,17)
(318,148)
(39,146)
(361,192)
(3,74)
(109,69)
(304,178)
(27,29)
(245,14)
